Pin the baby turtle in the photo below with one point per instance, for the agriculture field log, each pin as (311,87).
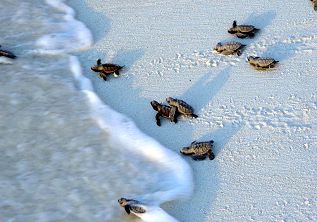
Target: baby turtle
(314,4)
(130,205)
(229,48)
(199,150)
(182,107)
(106,69)
(164,111)
(7,54)
(262,63)
(243,31)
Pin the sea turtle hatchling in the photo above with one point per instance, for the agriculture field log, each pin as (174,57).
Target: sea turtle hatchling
(199,150)
(133,206)
(164,111)
(262,63)
(229,48)
(6,53)
(182,107)
(106,69)
(243,31)
(314,4)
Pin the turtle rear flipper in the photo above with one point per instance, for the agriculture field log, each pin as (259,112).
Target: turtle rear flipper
(255,30)
(116,73)
(211,155)
(194,115)
(193,142)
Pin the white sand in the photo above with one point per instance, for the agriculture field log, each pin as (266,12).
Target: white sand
(263,123)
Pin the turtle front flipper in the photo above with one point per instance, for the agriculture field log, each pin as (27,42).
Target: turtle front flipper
(99,62)
(127,208)
(157,117)
(103,76)
(241,35)
(175,118)
(199,157)
(173,115)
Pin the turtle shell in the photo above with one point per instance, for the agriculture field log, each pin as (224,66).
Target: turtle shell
(232,46)
(111,68)
(201,147)
(181,105)
(262,62)
(184,108)
(245,28)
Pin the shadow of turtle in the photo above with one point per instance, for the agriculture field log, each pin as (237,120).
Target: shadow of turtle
(128,57)
(107,89)
(205,191)
(205,89)
(260,21)
(281,50)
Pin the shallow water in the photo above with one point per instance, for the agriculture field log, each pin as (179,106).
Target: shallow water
(58,163)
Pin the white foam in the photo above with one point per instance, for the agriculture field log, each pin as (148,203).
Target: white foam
(72,36)
(67,36)
(136,141)
(4,60)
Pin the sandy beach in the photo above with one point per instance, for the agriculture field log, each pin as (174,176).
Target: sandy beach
(263,123)
(69,154)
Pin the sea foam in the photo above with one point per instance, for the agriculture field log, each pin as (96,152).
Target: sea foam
(73,35)
(132,139)
(67,36)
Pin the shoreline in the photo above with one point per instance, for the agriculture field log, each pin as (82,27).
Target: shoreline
(246,124)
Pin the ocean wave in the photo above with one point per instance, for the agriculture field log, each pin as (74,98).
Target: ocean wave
(73,36)
(68,36)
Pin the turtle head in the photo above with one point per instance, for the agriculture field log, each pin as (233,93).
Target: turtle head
(233,30)
(218,46)
(170,100)
(122,202)
(186,151)
(155,105)
(250,58)
(98,67)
